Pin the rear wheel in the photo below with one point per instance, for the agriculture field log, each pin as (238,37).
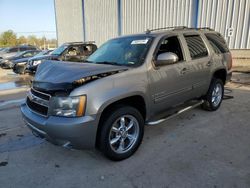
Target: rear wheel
(121,133)
(214,95)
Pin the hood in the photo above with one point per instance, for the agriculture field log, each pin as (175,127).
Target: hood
(57,75)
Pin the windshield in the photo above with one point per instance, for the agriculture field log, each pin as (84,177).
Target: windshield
(19,54)
(59,50)
(128,51)
(42,53)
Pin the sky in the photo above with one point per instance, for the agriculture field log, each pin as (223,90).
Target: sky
(27,17)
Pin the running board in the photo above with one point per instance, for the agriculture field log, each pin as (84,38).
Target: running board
(175,114)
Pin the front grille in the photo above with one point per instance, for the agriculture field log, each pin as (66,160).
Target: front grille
(37,107)
(38,102)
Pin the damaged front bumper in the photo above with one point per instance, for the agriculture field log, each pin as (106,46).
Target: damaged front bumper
(79,133)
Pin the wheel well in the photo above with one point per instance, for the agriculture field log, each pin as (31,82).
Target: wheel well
(134,101)
(221,74)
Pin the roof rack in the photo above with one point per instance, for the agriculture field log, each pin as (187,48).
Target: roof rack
(177,27)
(162,28)
(201,28)
(84,42)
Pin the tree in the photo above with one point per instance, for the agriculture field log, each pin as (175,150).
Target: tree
(22,40)
(8,38)
(33,40)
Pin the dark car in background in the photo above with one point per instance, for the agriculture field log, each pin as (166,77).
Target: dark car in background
(72,51)
(8,62)
(21,64)
(12,51)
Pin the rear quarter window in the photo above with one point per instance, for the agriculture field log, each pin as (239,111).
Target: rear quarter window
(196,46)
(217,42)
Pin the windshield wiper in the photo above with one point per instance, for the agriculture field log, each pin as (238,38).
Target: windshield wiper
(108,63)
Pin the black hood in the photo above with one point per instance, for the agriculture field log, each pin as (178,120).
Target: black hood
(57,75)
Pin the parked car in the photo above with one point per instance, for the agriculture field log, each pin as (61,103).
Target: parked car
(8,63)
(128,82)
(72,51)
(20,64)
(12,51)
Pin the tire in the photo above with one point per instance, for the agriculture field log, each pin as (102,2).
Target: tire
(121,133)
(214,95)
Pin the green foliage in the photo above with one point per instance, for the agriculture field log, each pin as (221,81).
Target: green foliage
(9,38)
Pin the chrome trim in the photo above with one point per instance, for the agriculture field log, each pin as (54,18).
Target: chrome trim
(38,100)
(175,114)
(41,92)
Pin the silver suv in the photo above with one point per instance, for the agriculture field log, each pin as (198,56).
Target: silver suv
(129,82)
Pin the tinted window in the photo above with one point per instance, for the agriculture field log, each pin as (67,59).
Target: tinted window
(28,54)
(217,42)
(171,44)
(32,48)
(13,50)
(23,49)
(196,46)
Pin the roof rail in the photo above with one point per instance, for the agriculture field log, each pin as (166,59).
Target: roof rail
(162,28)
(80,42)
(177,27)
(201,28)
(208,28)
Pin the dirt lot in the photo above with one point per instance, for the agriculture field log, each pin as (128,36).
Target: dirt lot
(196,149)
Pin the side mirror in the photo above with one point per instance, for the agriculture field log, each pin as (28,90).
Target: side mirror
(166,58)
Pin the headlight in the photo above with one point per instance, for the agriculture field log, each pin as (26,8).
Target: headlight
(68,106)
(37,62)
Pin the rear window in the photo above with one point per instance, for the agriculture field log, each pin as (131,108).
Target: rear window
(217,42)
(196,46)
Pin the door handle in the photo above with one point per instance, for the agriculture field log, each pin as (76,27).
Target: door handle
(184,70)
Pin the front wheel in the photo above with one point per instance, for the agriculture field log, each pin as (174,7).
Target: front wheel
(214,95)
(121,133)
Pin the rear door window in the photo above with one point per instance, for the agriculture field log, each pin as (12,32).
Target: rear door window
(217,42)
(196,46)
